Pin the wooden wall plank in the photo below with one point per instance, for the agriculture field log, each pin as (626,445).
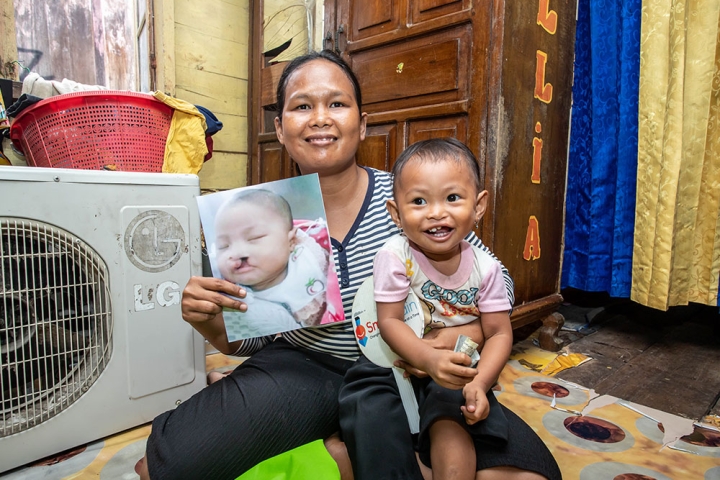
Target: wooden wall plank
(211,69)
(165,45)
(119,70)
(8,43)
(224,57)
(220,93)
(224,171)
(87,41)
(233,137)
(216,19)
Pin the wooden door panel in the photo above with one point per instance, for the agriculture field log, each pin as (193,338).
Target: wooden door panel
(379,146)
(424,10)
(428,70)
(273,163)
(455,127)
(370,18)
(361,25)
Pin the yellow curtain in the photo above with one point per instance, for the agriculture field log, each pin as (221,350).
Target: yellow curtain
(676,255)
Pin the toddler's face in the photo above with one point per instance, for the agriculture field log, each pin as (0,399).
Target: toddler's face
(253,245)
(437,205)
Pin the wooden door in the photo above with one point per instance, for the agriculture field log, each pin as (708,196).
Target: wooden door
(422,68)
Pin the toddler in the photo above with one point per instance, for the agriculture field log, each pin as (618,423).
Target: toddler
(437,201)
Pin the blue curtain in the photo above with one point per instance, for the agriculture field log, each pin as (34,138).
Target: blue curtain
(602,168)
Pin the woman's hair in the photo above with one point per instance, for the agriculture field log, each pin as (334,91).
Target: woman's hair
(298,62)
(261,198)
(438,150)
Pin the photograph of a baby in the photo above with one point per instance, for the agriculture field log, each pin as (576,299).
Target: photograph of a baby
(279,253)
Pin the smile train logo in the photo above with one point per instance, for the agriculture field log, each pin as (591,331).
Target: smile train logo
(360,332)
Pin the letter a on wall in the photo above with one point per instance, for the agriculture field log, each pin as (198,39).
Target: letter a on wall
(532,240)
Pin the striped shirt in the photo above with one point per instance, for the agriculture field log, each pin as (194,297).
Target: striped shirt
(353,264)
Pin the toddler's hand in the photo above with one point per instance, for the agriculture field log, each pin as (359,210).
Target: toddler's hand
(449,369)
(476,406)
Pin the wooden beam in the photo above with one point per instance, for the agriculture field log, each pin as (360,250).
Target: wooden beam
(164,23)
(8,42)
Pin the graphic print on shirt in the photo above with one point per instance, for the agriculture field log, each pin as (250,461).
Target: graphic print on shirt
(453,303)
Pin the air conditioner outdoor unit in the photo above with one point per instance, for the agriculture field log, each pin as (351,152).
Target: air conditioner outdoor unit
(91,337)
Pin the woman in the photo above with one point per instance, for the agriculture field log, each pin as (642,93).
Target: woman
(286,393)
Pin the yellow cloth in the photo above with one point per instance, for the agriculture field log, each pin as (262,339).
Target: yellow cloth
(676,256)
(185,149)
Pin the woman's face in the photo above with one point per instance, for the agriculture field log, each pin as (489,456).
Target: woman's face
(320,126)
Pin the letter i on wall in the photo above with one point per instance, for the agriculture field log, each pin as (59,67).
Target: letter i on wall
(537,155)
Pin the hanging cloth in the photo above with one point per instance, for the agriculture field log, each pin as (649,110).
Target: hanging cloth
(677,235)
(185,148)
(602,167)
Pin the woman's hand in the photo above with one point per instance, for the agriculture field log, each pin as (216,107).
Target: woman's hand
(203,300)
(409,369)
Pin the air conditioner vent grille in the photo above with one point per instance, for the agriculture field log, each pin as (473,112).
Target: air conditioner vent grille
(55,321)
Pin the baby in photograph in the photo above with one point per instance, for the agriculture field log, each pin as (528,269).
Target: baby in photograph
(281,267)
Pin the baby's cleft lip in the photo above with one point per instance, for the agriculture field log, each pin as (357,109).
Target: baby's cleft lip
(242,266)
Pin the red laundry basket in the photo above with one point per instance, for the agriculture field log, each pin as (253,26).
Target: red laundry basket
(95,130)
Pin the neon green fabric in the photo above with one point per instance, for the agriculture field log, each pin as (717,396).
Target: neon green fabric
(306,462)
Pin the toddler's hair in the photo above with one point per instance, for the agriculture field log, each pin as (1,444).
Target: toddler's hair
(437,150)
(263,198)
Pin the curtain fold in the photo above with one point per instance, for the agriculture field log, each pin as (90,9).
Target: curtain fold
(602,168)
(676,255)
